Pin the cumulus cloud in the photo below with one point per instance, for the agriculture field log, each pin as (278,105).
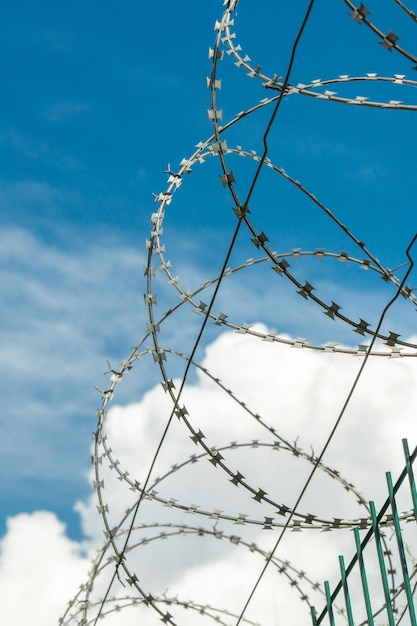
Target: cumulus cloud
(39,567)
(297,393)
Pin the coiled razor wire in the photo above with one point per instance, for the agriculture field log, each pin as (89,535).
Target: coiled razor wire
(116,582)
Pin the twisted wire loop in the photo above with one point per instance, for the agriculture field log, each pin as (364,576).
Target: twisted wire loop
(118,586)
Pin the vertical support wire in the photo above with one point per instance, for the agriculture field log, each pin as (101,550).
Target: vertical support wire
(359,551)
(409,467)
(400,544)
(382,567)
(346,591)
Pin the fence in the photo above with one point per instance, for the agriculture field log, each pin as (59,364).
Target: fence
(391,594)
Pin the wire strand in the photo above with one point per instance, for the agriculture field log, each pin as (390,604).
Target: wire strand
(332,432)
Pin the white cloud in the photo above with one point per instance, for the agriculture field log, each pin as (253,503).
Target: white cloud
(39,567)
(300,394)
(297,392)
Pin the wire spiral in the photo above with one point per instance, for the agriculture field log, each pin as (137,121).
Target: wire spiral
(117,582)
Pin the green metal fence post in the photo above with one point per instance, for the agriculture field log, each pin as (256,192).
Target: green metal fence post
(410,473)
(374,531)
(329,603)
(406,578)
(382,567)
(346,591)
(363,578)
(313,615)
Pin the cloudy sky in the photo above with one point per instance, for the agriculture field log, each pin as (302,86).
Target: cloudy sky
(99,103)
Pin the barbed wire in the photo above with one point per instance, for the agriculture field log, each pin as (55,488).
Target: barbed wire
(115,583)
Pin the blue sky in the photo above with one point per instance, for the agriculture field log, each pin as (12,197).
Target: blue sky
(84,142)
(97,99)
